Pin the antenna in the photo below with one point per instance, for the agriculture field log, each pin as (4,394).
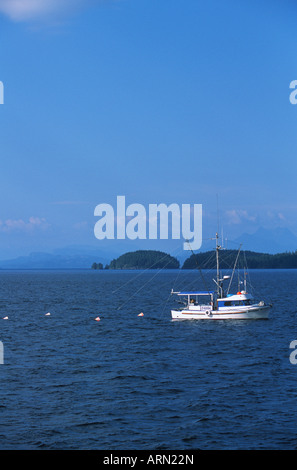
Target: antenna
(218,214)
(234,269)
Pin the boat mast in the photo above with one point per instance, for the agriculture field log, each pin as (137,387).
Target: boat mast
(218,264)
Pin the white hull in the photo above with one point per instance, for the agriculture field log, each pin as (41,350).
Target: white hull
(253,313)
(216,305)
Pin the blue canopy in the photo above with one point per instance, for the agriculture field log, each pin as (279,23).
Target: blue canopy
(201,292)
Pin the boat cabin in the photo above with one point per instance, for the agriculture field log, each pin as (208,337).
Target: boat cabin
(198,299)
(239,299)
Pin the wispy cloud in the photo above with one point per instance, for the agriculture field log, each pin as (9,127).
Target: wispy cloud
(12,225)
(276,216)
(238,216)
(27,10)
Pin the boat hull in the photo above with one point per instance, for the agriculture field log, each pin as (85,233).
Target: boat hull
(254,313)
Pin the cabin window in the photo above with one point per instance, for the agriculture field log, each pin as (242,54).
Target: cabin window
(234,303)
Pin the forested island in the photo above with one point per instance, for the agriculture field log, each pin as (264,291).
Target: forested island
(99,266)
(142,259)
(151,259)
(248,259)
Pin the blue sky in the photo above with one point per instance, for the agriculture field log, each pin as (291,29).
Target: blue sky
(158,100)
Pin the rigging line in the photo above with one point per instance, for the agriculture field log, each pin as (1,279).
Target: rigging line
(254,291)
(186,280)
(208,260)
(174,283)
(203,266)
(245,267)
(135,293)
(165,304)
(178,274)
(170,293)
(172,288)
(233,270)
(205,285)
(226,259)
(218,213)
(143,271)
(246,270)
(234,243)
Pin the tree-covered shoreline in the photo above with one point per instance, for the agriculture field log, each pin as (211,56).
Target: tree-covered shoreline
(248,259)
(142,259)
(152,259)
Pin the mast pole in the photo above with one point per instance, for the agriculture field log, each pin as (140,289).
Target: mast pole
(218,265)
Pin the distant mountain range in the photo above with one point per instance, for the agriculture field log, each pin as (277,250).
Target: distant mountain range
(274,241)
(278,240)
(72,257)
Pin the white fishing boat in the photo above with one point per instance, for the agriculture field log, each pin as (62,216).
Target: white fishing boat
(216,305)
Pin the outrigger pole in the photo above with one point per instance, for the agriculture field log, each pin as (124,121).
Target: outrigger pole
(234,269)
(198,267)
(218,265)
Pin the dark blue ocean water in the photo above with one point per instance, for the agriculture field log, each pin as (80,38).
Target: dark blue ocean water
(129,382)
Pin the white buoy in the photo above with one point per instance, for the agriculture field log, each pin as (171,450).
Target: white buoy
(47,314)
(140,314)
(5,318)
